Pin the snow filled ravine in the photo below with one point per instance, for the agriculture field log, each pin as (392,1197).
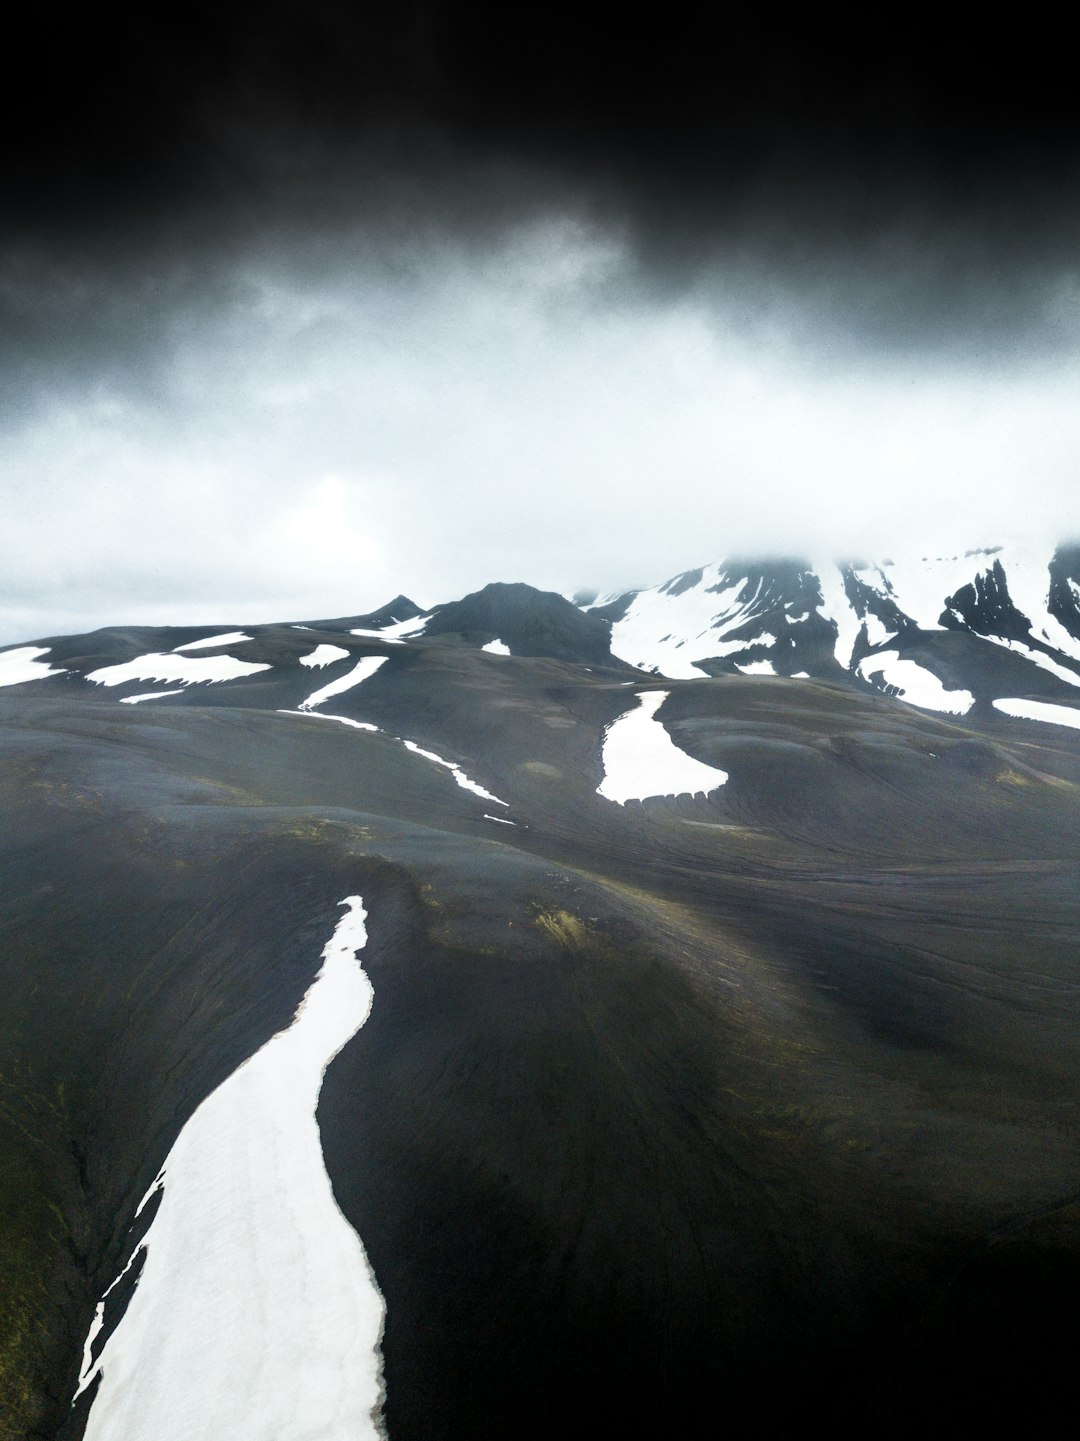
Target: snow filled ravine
(640,759)
(256,1315)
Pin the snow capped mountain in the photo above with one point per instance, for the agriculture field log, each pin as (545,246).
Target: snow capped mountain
(943,632)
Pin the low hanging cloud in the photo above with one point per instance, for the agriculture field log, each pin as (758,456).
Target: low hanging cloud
(309,431)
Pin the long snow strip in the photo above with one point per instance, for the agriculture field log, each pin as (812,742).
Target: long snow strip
(256,1315)
(17,666)
(640,759)
(455,770)
(211,642)
(185,669)
(147,695)
(361,671)
(1058,715)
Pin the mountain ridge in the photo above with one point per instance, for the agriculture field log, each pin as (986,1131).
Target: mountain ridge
(769,1085)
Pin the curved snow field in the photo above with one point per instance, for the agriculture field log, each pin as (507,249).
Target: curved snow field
(147,695)
(361,671)
(640,759)
(22,664)
(1059,715)
(914,683)
(185,669)
(496,647)
(668,630)
(256,1316)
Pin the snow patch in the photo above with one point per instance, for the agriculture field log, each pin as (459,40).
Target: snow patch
(324,655)
(876,633)
(363,670)
(1059,715)
(496,647)
(669,633)
(186,669)
(256,1314)
(914,683)
(232,637)
(756,667)
(640,759)
(21,665)
(147,695)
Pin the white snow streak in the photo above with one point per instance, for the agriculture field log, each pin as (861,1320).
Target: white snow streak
(1060,715)
(496,647)
(256,1315)
(455,770)
(232,637)
(756,667)
(397,632)
(363,670)
(147,695)
(17,666)
(915,684)
(187,669)
(640,759)
(836,607)
(324,655)
(341,719)
(458,774)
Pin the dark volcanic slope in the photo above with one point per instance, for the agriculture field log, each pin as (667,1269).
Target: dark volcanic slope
(759,1106)
(528,622)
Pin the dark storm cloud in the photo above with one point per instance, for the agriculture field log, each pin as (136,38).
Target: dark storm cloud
(903,187)
(305,305)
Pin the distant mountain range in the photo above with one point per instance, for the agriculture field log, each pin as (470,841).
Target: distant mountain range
(949,633)
(532,1017)
(946,632)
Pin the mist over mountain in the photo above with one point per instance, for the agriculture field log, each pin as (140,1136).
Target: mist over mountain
(304,306)
(688,990)
(511,1009)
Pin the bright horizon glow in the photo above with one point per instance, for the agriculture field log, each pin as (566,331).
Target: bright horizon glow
(328,434)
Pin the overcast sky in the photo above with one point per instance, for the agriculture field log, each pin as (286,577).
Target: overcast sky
(303,313)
